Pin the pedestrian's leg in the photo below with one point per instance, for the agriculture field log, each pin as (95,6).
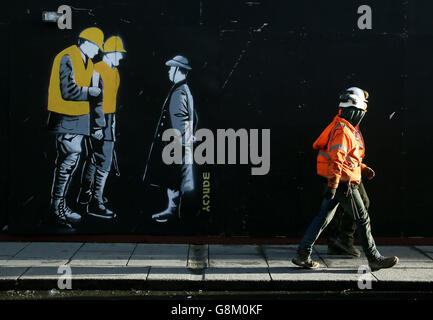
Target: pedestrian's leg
(319,223)
(348,223)
(347,229)
(334,230)
(354,205)
(344,240)
(364,196)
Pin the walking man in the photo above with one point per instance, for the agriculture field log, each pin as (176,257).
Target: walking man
(74,93)
(177,113)
(340,162)
(101,146)
(343,226)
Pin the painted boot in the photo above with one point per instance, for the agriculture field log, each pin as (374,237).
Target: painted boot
(64,216)
(96,205)
(172,208)
(59,211)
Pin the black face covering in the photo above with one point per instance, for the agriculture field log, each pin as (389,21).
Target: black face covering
(353,115)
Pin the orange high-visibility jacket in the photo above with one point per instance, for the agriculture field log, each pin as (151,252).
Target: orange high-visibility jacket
(341,151)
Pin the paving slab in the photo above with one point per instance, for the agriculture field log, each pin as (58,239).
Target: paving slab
(236,256)
(175,274)
(88,273)
(428,250)
(160,255)
(323,274)
(340,261)
(405,275)
(409,257)
(44,254)
(198,256)
(10,249)
(11,273)
(282,255)
(103,254)
(237,274)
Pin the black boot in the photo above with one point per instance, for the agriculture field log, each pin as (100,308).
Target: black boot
(59,211)
(304,260)
(62,215)
(339,247)
(96,205)
(382,263)
(97,209)
(85,193)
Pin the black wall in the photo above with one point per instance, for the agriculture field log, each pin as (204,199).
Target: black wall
(287,75)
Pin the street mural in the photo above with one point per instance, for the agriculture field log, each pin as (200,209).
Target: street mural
(82,104)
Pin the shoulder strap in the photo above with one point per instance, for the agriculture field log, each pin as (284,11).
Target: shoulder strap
(95,79)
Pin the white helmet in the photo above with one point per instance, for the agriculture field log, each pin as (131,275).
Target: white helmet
(354,97)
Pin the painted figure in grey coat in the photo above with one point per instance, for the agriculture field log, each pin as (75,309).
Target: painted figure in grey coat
(177,113)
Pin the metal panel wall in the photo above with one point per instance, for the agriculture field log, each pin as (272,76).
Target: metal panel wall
(260,64)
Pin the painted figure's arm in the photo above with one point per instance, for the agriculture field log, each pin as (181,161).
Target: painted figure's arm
(179,113)
(68,87)
(97,117)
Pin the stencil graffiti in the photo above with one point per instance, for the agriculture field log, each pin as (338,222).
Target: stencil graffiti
(100,144)
(82,105)
(74,95)
(177,114)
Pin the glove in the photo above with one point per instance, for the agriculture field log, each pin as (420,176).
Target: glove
(98,134)
(329,193)
(94,91)
(368,173)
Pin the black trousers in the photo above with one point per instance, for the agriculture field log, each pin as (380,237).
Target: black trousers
(343,225)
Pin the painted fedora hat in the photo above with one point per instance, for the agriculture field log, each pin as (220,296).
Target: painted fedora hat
(179,61)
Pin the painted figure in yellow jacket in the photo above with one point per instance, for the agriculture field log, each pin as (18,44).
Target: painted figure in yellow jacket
(74,101)
(101,148)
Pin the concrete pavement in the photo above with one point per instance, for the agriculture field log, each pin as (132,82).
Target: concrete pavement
(117,266)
